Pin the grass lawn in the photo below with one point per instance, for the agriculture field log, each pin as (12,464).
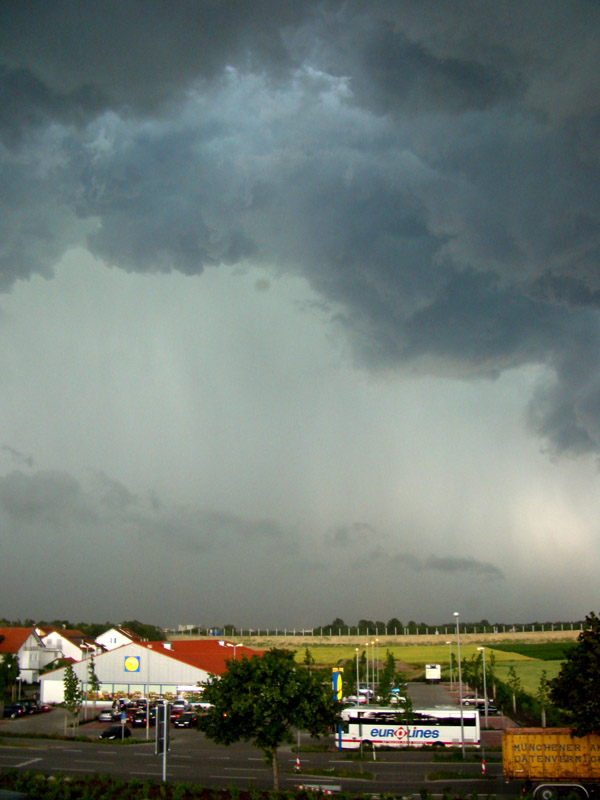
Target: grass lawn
(334,655)
(529,672)
(528,667)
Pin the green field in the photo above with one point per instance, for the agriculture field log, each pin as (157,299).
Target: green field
(528,660)
(529,672)
(336,655)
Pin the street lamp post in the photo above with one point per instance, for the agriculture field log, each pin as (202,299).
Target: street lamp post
(450,662)
(235,646)
(460,698)
(485,696)
(357,680)
(373,670)
(367,675)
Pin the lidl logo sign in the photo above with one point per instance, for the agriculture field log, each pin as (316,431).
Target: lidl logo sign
(336,681)
(132,663)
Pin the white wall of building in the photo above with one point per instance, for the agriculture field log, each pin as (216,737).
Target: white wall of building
(31,658)
(112,639)
(128,669)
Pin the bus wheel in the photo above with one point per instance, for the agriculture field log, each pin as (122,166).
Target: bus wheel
(368,746)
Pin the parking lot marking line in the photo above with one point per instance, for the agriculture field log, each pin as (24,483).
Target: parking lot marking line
(235,777)
(69,769)
(147,773)
(26,763)
(238,769)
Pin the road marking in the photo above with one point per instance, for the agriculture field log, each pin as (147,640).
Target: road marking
(26,763)
(240,769)
(146,773)
(235,777)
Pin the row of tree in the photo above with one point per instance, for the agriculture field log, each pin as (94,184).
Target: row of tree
(364,627)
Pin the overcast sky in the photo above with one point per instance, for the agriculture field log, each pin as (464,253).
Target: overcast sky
(300,310)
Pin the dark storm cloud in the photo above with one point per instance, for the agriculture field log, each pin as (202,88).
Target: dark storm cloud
(49,498)
(16,457)
(55,502)
(433,174)
(463,565)
(344,535)
(450,565)
(141,53)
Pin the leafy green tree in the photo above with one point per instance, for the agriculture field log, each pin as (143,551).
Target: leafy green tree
(514,683)
(309,660)
(72,693)
(93,682)
(387,675)
(9,672)
(576,688)
(150,632)
(491,672)
(362,667)
(262,699)
(394,624)
(542,695)
(472,670)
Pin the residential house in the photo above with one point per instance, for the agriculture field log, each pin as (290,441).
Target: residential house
(27,646)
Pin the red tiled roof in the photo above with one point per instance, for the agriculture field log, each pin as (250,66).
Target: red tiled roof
(12,639)
(205,654)
(68,633)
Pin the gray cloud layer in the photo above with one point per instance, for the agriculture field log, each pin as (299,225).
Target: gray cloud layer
(433,175)
(430,170)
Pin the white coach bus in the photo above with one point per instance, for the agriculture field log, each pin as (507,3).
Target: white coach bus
(386,727)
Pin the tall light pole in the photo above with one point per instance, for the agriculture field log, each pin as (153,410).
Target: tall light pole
(373,670)
(367,677)
(377,645)
(485,697)
(450,662)
(357,680)
(460,699)
(235,646)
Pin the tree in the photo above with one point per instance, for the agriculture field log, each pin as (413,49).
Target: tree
(387,676)
(576,688)
(491,672)
(72,693)
(9,672)
(514,683)
(542,695)
(309,660)
(262,699)
(150,632)
(93,682)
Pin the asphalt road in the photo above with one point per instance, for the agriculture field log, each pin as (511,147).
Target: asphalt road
(195,759)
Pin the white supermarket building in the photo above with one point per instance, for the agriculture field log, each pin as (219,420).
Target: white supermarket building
(147,668)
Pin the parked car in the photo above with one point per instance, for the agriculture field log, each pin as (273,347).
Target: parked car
(176,712)
(471,701)
(108,715)
(14,710)
(139,720)
(116,732)
(189,719)
(31,706)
